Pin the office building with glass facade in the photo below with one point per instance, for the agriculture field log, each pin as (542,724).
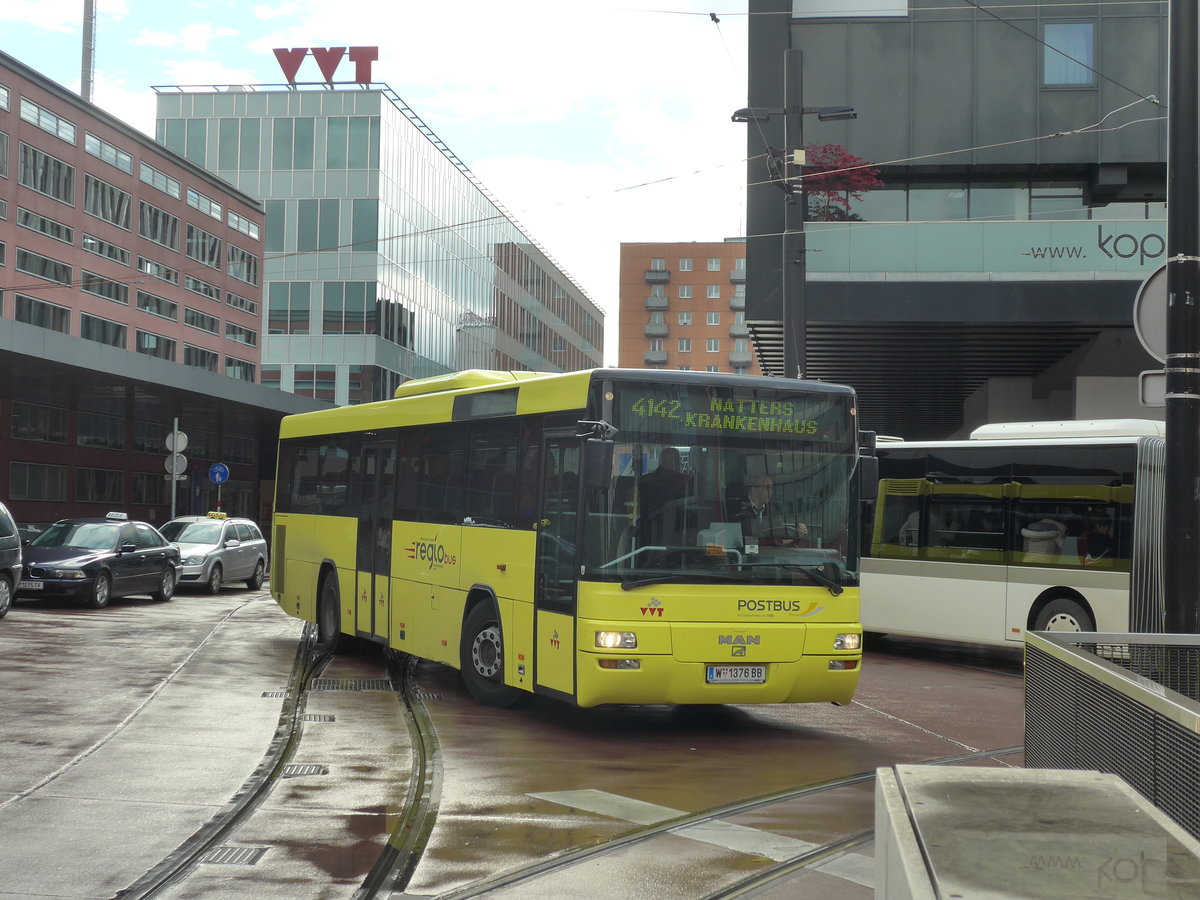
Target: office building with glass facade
(385,258)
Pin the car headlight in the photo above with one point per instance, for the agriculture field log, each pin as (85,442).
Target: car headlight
(67,573)
(616,640)
(847,642)
(195,560)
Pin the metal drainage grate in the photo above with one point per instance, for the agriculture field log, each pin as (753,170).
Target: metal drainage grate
(274,695)
(296,771)
(317,717)
(422,695)
(233,856)
(352,684)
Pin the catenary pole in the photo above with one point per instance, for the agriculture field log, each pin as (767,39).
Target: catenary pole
(1181,549)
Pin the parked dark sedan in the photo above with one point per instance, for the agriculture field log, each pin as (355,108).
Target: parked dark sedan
(97,560)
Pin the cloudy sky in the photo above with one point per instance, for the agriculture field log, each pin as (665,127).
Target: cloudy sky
(592,122)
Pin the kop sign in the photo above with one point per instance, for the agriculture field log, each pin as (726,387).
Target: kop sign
(328,59)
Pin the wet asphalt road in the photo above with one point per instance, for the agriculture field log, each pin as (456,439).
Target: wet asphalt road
(124,730)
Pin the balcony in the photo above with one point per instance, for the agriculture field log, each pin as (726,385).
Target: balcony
(739,330)
(658,276)
(741,358)
(737,276)
(656,331)
(656,357)
(737,302)
(656,302)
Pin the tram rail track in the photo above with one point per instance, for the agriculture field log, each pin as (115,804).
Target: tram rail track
(514,878)
(402,851)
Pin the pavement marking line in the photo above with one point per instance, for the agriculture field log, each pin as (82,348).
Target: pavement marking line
(851,867)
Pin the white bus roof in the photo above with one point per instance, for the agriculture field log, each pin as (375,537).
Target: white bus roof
(1084,428)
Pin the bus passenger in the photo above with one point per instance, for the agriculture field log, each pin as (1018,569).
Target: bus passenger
(659,488)
(1043,540)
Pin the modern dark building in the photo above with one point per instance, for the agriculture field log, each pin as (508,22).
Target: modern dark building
(130,299)
(1022,153)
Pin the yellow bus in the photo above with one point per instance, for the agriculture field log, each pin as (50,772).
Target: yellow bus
(514,525)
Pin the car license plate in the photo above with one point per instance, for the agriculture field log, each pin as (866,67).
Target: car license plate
(29,586)
(737,674)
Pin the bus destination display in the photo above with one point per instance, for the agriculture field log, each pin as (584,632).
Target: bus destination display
(719,412)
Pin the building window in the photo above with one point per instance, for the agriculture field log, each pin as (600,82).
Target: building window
(199,358)
(712,368)
(209,207)
(102,149)
(685,264)
(99,486)
(158,225)
(39,422)
(34,481)
(47,121)
(102,331)
(102,200)
(1068,54)
(685,345)
(155,345)
(32,311)
(741,345)
(43,267)
(714,264)
(288,307)
(246,336)
(158,270)
(242,224)
(712,345)
(203,247)
(3,155)
(3,97)
(47,175)
(739,264)
(99,430)
(149,489)
(202,321)
(160,180)
(46,226)
(714,292)
(714,318)
(685,292)
(242,303)
(658,265)
(239,369)
(158,306)
(658,317)
(103,248)
(242,265)
(99,286)
(685,368)
(685,318)
(203,288)
(657,344)
(739,318)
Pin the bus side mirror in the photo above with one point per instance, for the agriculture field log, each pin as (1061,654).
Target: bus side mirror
(868,477)
(597,463)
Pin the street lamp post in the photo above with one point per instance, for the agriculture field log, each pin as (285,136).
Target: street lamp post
(788,171)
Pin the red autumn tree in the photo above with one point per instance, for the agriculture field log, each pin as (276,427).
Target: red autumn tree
(833,178)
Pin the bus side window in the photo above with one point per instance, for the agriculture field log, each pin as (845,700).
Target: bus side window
(408,477)
(442,476)
(491,489)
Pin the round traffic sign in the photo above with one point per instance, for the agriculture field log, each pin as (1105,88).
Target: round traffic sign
(1150,313)
(176,441)
(218,473)
(175,464)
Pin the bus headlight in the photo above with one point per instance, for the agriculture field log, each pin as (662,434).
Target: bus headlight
(847,642)
(616,640)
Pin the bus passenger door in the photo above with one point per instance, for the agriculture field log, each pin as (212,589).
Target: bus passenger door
(557,565)
(376,482)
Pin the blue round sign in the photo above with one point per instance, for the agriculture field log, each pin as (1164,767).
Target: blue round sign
(219,473)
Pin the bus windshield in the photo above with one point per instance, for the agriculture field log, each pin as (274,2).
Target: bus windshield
(714,484)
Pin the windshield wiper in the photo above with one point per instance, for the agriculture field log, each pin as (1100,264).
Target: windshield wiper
(813,571)
(664,579)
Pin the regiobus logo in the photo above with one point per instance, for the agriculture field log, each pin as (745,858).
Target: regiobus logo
(431,552)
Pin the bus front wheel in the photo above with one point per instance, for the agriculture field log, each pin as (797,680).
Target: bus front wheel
(1061,614)
(329,614)
(481,658)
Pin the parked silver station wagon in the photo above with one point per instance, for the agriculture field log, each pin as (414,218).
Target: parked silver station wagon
(216,549)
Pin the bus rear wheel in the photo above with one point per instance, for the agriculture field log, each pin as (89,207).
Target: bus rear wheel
(329,614)
(481,658)
(1061,614)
